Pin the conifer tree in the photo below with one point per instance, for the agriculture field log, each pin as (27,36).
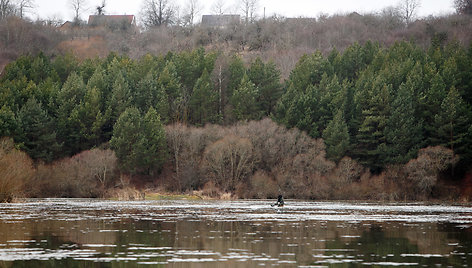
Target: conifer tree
(403,132)
(98,81)
(152,146)
(204,101)
(452,123)
(266,78)
(37,135)
(91,119)
(120,98)
(236,73)
(146,92)
(8,122)
(371,147)
(169,84)
(244,101)
(139,142)
(68,99)
(336,137)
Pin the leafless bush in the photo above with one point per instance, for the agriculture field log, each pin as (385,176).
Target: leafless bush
(16,168)
(343,178)
(229,161)
(99,165)
(261,185)
(425,169)
(88,174)
(186,146)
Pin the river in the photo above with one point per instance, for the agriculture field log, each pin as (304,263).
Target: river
(248,233)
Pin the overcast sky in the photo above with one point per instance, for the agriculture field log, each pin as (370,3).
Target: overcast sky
(292,8)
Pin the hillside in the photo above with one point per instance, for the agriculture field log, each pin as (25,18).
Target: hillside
(249,111)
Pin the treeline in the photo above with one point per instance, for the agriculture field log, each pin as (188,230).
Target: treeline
(376,105)
(56,108)
(380,105)
(257,159)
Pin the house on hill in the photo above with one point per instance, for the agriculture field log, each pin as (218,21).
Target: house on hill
(220,21)
(113,22)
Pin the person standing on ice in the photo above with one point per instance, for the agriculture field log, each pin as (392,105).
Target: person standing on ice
(280,201)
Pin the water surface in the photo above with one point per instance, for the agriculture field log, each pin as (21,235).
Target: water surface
(97,233)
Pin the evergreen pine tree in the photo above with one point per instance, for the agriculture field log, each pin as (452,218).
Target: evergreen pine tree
(452,123)
(68,99)
(139,142)
(8,122)
(403,132)
(244,101)
(371,148)
(120,98)
(37,135)
(169,84)
(204,102)
(336,137)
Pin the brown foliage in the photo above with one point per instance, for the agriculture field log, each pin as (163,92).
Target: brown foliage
(229,161)
(262,185)
(19,37)
(260,159)
(186,146)
(16,168)
(87,174)
(424,171)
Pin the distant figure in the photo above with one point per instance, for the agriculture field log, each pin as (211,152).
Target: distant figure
(280,201)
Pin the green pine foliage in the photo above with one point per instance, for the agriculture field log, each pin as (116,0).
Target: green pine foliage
(336,137)
(378,105)
(36,132)
(204,102)
(244,101)
(139,141)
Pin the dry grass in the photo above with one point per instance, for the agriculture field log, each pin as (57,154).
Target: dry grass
(126,194)
(85,48)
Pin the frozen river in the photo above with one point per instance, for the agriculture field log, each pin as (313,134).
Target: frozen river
(249,233)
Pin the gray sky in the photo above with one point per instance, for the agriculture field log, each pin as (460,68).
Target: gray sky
(292,8)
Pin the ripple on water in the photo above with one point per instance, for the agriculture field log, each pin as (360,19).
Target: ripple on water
(108,231)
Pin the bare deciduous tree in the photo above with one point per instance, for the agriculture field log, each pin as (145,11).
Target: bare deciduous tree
(408,9)
(219,7)
(176,137)
(23,6)
(229,161)
(191,11)
(6,9)
(463,6)
(249,8)
(158,13)
(99,165)
(16,168)
(78,6)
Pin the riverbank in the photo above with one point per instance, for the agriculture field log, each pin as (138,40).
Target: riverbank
(129,194)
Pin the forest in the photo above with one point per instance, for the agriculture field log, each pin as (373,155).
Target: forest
(347,106)
(390,122)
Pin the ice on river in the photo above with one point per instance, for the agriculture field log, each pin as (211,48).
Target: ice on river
(241,233)
(248,210)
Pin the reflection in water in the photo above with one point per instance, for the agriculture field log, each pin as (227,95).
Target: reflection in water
(94,233)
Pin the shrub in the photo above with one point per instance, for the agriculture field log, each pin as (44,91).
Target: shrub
(98,165)
(425,169)
(261,185)
(16,168)
(87,174)
(229,161)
